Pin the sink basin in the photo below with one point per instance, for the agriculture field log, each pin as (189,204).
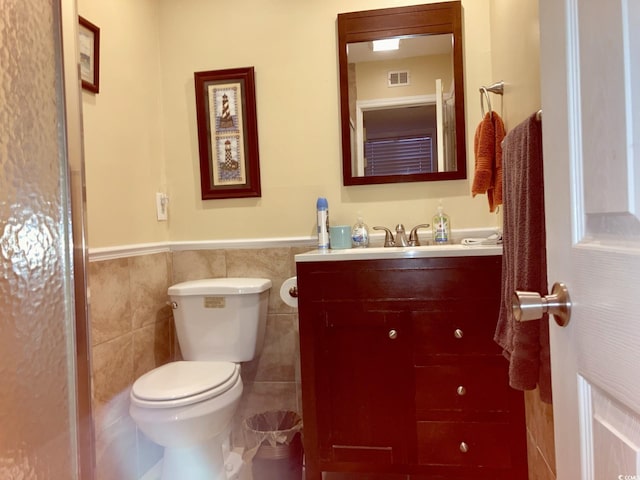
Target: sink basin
(379,253)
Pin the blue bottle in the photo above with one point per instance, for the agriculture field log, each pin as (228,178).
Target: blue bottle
(322,207)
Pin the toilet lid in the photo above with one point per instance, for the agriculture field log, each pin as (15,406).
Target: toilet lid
(188,381)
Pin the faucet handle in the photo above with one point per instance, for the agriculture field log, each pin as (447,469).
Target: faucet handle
(414,241)
(388,236)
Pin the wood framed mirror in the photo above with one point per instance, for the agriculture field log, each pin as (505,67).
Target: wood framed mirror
(402,110)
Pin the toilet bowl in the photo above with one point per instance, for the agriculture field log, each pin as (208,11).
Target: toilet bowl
(187,406)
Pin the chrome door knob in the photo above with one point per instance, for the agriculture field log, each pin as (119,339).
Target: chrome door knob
(393,334)
(531,305)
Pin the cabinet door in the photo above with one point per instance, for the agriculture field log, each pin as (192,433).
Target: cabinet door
(364,385)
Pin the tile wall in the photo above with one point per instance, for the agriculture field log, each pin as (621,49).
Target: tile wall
(132,332)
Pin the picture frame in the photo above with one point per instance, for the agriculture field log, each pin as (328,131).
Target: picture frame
(89,46)
(227,133)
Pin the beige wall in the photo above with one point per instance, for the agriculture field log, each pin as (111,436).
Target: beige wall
(515,46)
(515,57)
(123,141)
(371,77)
(140,130)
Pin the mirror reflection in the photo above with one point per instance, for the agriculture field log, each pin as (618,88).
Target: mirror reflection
(402,98)
(402,103)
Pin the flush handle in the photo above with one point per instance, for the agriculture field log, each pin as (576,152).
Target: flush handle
(531,305)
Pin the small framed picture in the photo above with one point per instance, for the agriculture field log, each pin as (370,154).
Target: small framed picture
(89,43)
(227,133)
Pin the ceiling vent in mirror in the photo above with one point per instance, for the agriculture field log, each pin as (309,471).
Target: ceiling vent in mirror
(399,78)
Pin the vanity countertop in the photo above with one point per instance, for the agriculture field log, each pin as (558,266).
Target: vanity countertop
(381,253)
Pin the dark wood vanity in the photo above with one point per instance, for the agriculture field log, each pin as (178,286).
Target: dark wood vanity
(401,378)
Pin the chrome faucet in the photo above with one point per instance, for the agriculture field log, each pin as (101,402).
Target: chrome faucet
(401,236)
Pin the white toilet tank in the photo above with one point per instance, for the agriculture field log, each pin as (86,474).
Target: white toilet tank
(220,319)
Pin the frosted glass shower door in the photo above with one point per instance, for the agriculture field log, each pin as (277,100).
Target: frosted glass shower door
(38,400)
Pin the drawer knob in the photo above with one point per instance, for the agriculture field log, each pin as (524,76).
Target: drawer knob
(458,333)
(464,448)
(461,390)
(393,334)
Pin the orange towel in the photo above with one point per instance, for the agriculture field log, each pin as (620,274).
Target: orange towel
(487,147)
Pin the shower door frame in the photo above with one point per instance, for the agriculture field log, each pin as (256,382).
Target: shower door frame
(85,434)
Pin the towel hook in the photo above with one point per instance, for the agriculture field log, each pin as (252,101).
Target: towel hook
(497,88)
(484,95)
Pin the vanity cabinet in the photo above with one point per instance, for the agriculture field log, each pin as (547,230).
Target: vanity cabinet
(401,378)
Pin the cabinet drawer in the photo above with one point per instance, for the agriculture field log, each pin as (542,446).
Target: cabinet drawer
(464,444)
(465,279)
(452,333)
(462,387)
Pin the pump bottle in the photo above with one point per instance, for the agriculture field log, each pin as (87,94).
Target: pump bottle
(360,234)
(441,227)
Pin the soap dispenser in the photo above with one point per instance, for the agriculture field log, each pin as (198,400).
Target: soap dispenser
(441,227)
(360,234)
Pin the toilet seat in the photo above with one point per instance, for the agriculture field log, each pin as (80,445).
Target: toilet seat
(181,383)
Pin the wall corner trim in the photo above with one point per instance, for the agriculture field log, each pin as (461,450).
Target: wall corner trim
(125,251)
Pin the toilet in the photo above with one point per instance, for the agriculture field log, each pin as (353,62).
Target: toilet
(187,406)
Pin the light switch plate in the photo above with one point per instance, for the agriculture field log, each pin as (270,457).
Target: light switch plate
(162,201)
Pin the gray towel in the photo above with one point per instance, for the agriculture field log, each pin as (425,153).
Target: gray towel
(524,260)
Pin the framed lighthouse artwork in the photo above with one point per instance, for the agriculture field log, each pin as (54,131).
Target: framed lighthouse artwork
(227,133)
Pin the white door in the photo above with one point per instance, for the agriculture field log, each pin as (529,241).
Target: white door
(590,59)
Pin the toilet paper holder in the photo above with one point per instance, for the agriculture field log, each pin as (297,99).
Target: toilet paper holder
(289,292)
